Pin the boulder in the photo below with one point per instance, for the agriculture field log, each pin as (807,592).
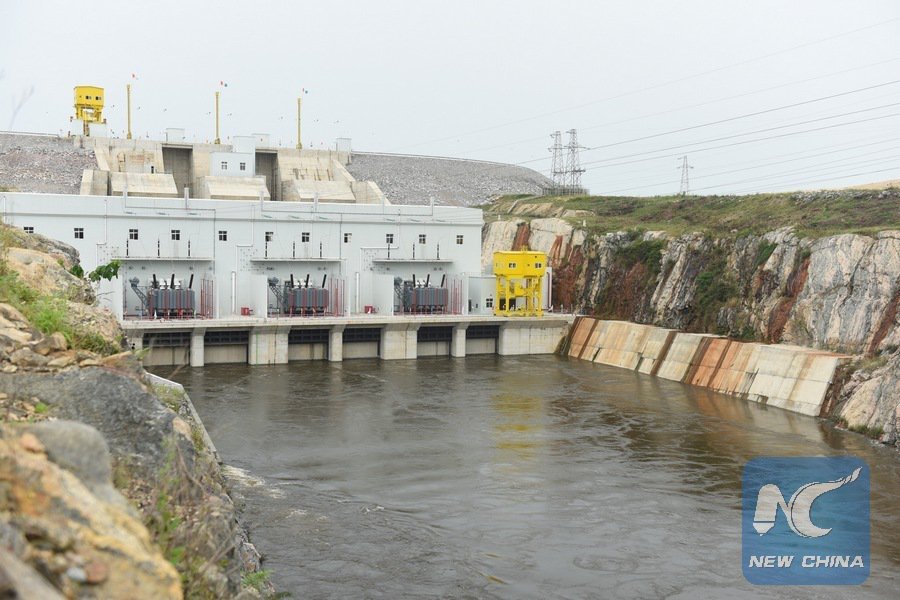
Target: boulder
(66,526)
(44,273)
(870,402)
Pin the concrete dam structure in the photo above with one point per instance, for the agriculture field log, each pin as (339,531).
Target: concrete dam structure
(790,377)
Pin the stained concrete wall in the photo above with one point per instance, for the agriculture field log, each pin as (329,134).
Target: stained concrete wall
(232,188)
(94,182)
(361,350)
(147,185)
(528,338)
(433,349)
(231,354)
(177,162)
(482,346)
(789,377)
(298,352)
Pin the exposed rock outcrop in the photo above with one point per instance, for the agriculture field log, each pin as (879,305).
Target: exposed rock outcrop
(869,402)
(83,544)
(839,293)
(108,488)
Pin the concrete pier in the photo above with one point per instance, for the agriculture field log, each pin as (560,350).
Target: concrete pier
(274,341)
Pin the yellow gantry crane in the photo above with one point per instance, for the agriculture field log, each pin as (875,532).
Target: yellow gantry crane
(89,105)
(520,278)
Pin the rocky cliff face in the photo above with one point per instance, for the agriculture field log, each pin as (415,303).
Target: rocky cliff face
(107,486)
(839,293)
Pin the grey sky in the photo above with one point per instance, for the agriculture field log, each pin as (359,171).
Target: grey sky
(491,80)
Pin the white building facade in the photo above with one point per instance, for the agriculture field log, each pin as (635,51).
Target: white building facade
(228,250)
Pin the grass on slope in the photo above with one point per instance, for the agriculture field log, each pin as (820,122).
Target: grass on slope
(813,214)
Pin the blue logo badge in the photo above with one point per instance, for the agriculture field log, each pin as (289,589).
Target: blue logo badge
(805,521)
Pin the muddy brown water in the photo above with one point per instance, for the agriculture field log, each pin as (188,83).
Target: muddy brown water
(505,477)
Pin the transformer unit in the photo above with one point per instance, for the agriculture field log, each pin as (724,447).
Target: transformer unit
(166,298)
(417,296)
(297,297)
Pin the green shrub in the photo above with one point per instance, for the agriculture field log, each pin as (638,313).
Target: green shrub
(764,252)
(257,579)
(648,252)
(715,287)
(108,271)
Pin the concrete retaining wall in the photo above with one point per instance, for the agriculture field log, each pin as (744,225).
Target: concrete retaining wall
(789,377)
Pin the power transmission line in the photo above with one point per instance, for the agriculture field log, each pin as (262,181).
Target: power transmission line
(745,116)
(720,173)
(817,180)
(602,160)
(697,105)
(659,85)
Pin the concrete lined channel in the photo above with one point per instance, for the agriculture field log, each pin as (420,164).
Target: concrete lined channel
(508,477)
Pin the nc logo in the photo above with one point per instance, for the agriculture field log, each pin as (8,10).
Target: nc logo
(797,510)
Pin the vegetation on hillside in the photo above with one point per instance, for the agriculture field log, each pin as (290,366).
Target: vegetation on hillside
(48,312)
(812,214)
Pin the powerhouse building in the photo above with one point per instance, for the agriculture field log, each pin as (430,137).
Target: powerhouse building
(230,252)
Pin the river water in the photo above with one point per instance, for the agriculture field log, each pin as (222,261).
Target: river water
(504,477)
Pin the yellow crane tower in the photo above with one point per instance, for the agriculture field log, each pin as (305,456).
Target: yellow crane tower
(520,277)
(89,105)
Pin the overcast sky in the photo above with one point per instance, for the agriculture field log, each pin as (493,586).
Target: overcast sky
(492,80)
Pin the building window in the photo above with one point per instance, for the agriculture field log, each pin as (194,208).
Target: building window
(79,233)
(176,234)
(421,238)
(132,234)
(28,229)
(223,236)
(389,238)
(270,235)
(489,303)
(459,239)
(224,165)
(242,166)
(347,237)
(511,266)
(538,265)
(304,236)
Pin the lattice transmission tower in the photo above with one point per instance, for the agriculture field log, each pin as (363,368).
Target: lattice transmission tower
(557,170)
(573,163)
(685,187)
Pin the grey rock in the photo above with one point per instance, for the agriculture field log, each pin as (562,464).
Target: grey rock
(133,422)
(80,449)
(415,179)
(26,357)
(51,164)
(18,580)
(871,400)
(55,342)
